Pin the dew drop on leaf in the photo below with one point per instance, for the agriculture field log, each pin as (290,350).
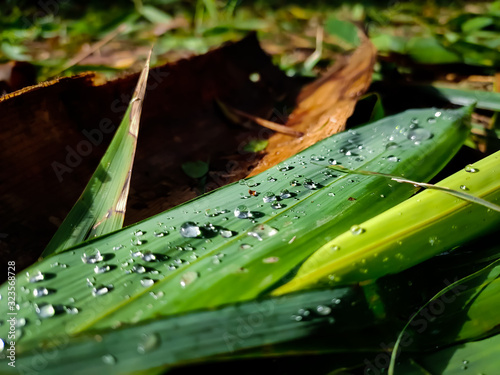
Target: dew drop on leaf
(269,197)
(101,290)
(36,277)
(262,231)
(323,310)
(148,343)
(469,168)
(40,292)
(45,310)
(147,282)
(356,230)
(102,269)
(188,278)
(109,359)
(242,212)
(190,230)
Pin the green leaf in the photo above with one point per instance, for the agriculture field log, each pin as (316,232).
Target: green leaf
(101,207)
(185,338)
(256,145)
(155,15)
(427,50)
(389,43)
(480,357)
(195,169)
(425,225)
(205,253)
(346,31)
(476,23)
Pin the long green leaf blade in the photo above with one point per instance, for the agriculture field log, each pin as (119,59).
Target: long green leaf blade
(409,233)
(150,269)
(101,207)
(185,338)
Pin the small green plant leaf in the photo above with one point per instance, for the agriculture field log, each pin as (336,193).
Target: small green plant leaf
(256,145)
(195,169)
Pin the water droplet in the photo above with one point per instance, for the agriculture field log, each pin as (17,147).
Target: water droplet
(118,247)
(242,212)
(309,184)
(391,146)
(463,187)
(331,194)
(245,246)
(323,310)
(148,343)
(21,322)
(269,197)
(188,278)
(276,206)
(36,277)
(226,233)
(419,135)
(109,359)
(45,310)
(271,260)
(251,183)
(271,179)
(71,310)
(102,269)
(469,168)
(190,230)
(393,158)
(137,268)
(147,282)
(2,345)
(356,230)
(101,290)
(160,233)
(136,242)
(148,256)
(285,194)
(317,157)
(40,292)
(333,162)
(139,232)
(433,240)
(262,231)
(431,120)
(294,183)
(284,167)
(92,256)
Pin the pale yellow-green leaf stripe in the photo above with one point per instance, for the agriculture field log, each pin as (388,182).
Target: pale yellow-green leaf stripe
(408,233)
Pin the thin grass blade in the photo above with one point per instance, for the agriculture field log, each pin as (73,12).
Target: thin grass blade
(101,207)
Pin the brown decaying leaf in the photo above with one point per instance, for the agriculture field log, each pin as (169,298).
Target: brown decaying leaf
(323,106)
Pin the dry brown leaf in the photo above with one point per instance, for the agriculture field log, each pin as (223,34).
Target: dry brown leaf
(323,106)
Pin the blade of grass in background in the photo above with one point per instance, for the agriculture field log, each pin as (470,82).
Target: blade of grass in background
(231,245)
(409,233)
(101,207)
